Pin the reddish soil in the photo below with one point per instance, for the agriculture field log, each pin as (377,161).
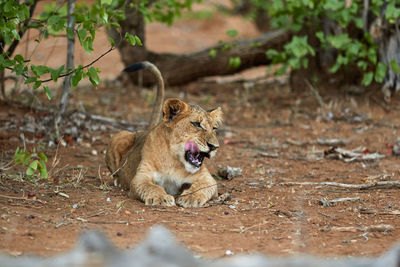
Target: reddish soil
(263,215)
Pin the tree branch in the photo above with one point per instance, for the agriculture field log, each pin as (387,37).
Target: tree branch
(22,30)
(81,68)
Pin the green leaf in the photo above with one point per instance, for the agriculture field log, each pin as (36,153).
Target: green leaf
(30,80)
(34,164)
(43,171)
(47,91)
(232,33)
(107,2)
(37,85)
(213,53)
(42,156)
(271,53)
(55,73)
(40,70)
(81,35)
(362,64)
(367,78)
(130,38)
(19,58)
(93,76)
(339,41)
(320,36)
(138,41)
(30,171)
(112,42)
(235,62)
(395,66)
(88,44)
(380,72)
(76,77)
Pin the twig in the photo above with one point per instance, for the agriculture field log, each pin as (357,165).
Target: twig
(96,214)
(379,212)
(23,140)
(371,228)
(102,222)
(328,216)
(7,165)
(58,225)
(84,67)
(117,170)
(315,93)
(380,184)
(23,198)
(327,203)
(105,120)
(191,193)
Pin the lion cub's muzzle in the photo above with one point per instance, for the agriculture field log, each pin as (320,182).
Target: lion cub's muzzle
(194,156)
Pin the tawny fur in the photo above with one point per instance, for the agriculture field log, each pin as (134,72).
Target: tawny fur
(151,164)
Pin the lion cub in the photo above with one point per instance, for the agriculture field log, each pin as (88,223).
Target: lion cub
(166,160)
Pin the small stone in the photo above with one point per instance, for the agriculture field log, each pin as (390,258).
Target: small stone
(226,212)
(229,252)
(119,234)
(229,172)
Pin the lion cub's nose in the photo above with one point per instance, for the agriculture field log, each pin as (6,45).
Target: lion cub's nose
(212,147)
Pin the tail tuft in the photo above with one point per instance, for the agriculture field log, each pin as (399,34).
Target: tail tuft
(135,67)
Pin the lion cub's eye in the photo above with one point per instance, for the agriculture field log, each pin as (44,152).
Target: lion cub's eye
(196,124)
(215,128)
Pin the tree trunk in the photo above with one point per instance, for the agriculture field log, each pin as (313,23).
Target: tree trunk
(70,65)
(183,68)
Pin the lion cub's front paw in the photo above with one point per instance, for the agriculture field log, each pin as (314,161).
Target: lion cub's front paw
(160,200)
(192,200)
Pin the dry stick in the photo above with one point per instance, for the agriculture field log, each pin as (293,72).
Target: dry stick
(23,198)
(315,93)
(343,199)
(379,212)
(102,222)
(380,184)
(326,203)
(121,124)
(117,170)
(191,193)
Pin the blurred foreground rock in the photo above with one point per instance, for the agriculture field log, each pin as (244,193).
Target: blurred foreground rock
(161,249)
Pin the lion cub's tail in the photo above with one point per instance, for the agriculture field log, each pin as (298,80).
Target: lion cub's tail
(158,103)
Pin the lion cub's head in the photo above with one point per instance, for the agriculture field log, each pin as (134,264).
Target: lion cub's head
(192,132)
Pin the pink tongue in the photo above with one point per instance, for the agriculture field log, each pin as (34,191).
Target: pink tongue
(192,147)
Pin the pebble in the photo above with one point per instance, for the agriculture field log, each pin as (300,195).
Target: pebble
(229,252)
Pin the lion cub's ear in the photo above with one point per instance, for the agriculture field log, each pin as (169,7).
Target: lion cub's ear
(216,115)
(173,107)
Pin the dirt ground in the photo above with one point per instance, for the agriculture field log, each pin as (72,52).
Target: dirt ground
(271,133)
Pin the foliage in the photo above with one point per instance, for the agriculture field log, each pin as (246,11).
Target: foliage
(15,19)
(165,11)
(352,44)
(35,162)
